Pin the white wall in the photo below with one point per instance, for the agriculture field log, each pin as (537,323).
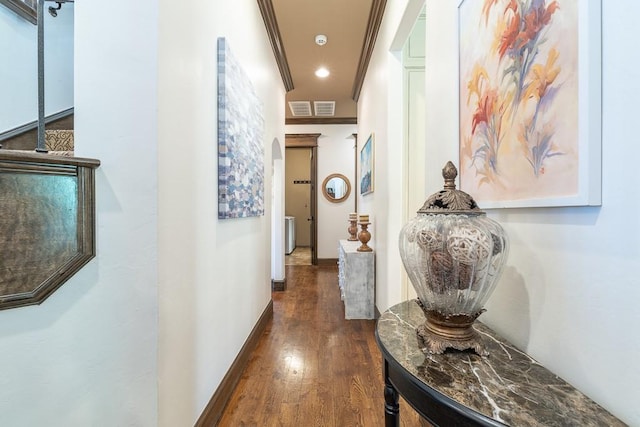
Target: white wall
(277,211)
(380,111)
(87,355)
(569,293)
(335,155)
(144,333)
(19,72)
(214,275)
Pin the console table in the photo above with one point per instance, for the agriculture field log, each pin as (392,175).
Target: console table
(463,389)
(356,278)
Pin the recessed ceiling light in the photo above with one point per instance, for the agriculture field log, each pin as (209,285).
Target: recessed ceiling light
(322,72)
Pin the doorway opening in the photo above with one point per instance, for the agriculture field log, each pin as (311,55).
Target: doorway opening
(300,199)
(414,99)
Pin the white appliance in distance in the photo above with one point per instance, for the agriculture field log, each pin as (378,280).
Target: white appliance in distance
(289,234)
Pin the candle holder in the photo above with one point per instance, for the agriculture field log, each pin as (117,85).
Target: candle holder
(364,236)
(353,228)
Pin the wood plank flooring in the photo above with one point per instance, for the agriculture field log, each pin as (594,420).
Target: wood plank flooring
(301,255)
(312,367)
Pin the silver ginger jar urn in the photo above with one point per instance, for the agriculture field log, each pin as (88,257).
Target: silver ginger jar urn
(454,255)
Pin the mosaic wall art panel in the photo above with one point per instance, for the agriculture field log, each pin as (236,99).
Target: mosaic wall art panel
(240,141)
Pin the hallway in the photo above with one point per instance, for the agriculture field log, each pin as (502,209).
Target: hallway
(312,367)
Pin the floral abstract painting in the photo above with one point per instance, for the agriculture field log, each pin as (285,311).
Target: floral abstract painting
(240,141)
(521,142)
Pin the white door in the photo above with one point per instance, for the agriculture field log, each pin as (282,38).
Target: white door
(414,123)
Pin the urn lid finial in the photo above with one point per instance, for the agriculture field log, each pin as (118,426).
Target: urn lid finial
(449,173)
(449,200)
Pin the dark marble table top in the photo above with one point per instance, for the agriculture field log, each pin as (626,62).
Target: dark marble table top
(507,386)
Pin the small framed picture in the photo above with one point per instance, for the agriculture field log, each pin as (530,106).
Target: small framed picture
(366,166)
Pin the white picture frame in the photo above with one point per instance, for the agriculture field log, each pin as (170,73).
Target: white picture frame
(538,95)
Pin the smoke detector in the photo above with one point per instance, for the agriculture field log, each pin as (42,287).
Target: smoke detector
(321,39)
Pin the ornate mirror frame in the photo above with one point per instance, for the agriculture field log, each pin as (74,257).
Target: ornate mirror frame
(330,197)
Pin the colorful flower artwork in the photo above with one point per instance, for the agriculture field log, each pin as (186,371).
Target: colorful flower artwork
(519,100)
(240,141)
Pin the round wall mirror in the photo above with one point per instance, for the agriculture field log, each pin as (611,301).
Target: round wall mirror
(336,188)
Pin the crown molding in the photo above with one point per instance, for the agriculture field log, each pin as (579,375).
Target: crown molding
(373,26)
(271,24)
(321,121)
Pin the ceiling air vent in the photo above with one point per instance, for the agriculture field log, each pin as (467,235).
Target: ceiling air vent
(324,108)
(300,108)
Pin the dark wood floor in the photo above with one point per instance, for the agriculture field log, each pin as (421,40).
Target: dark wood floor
(312,367)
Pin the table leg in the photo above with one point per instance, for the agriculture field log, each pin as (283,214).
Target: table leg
(391,406)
